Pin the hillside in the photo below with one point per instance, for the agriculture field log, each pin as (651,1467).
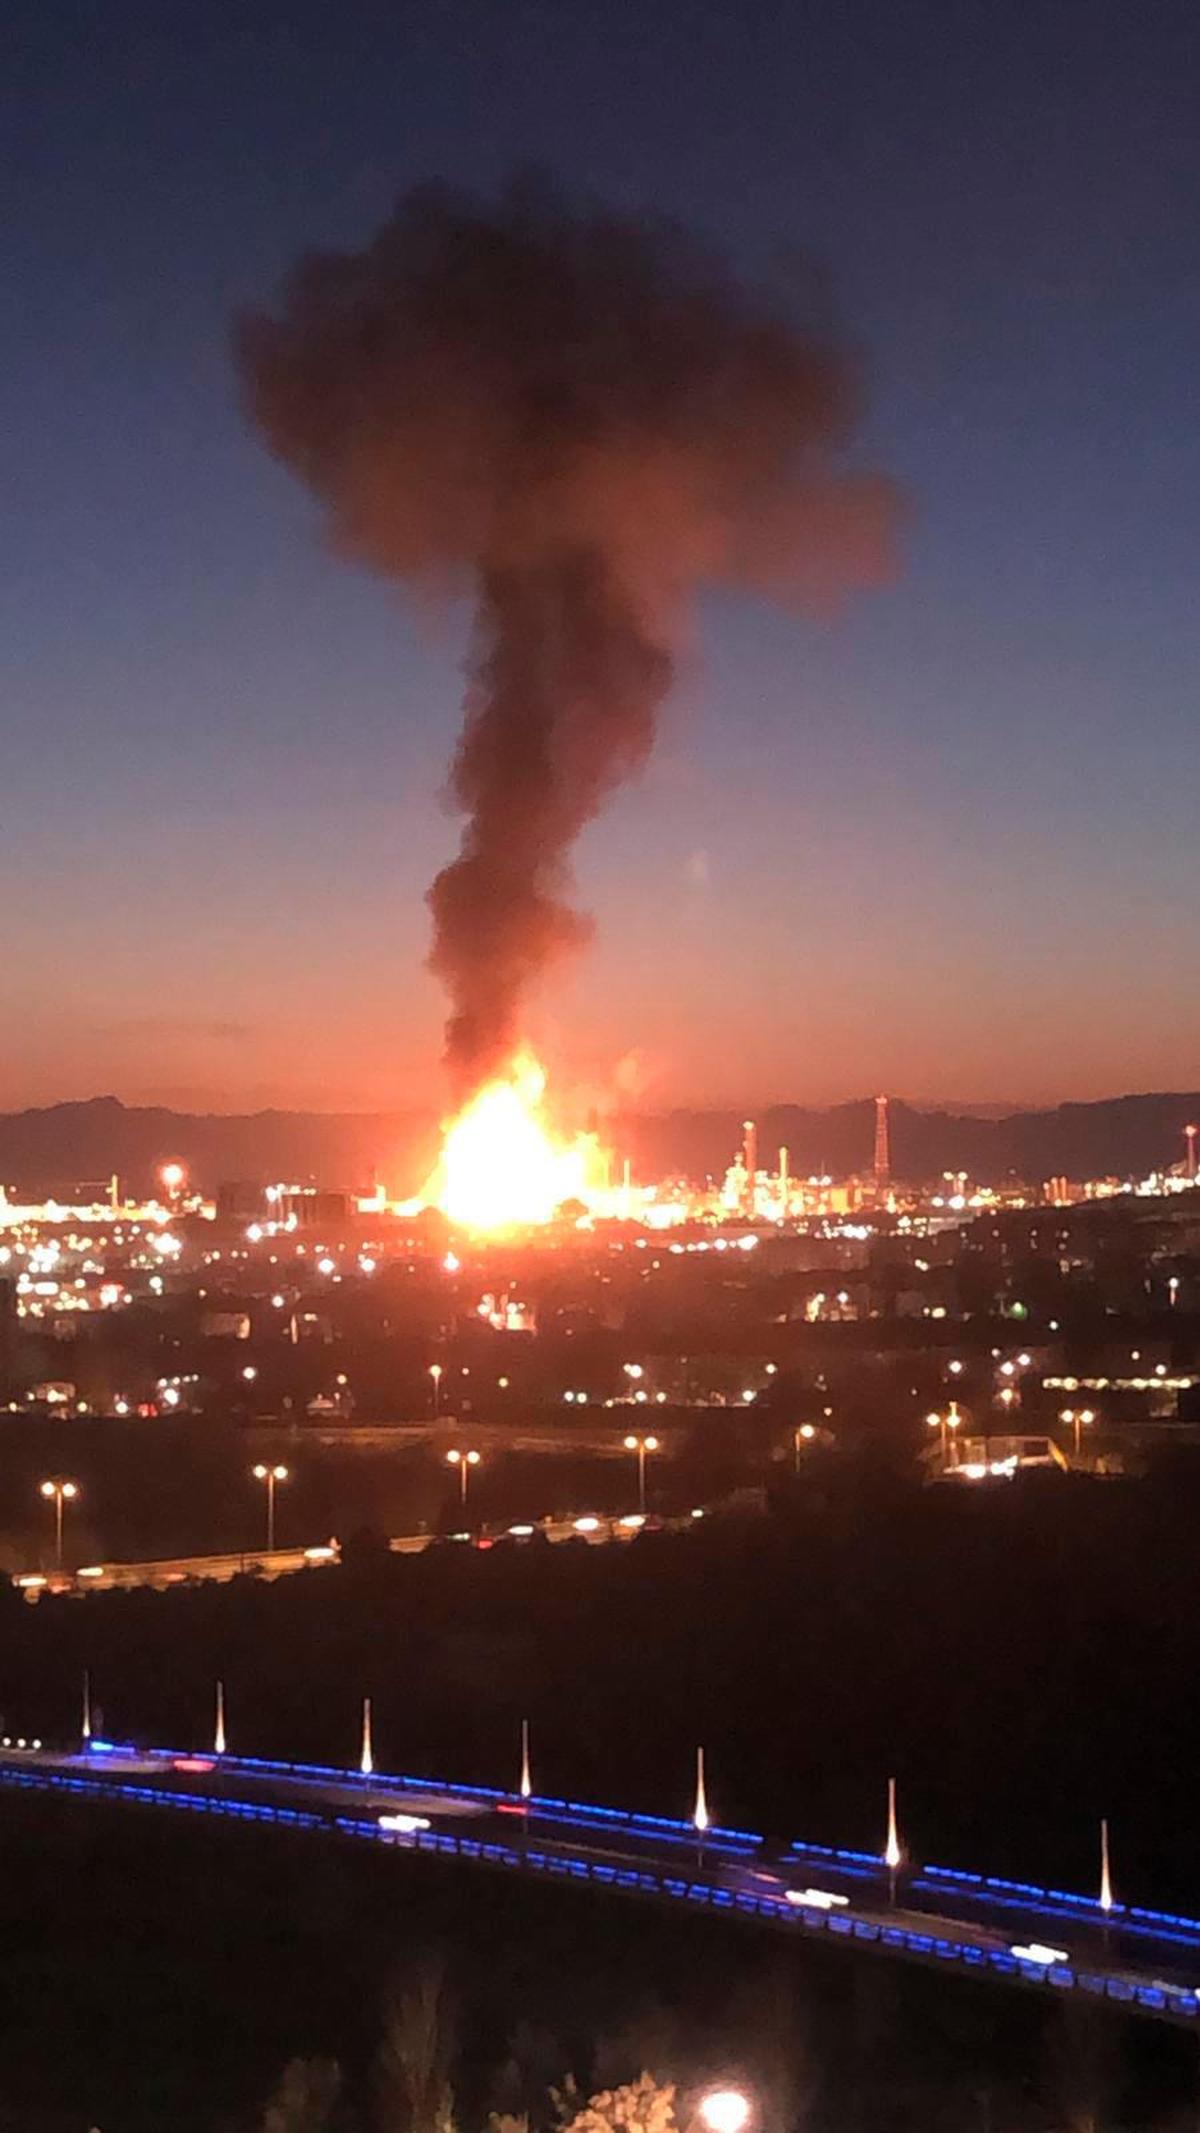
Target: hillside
(55,1148)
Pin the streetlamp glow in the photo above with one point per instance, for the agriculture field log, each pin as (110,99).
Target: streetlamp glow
(640,1446)
(725,2110)
(701,1819)
(804,1435)
(1106,1889)
(1077,1419)
(435,1372)
(464,1461)
(270,1475)
(893,1852)
(59,1493)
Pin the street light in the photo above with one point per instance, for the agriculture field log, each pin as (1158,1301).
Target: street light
(435,1372)
(725,2111)
(1078,1418)
(270,1475)
(938,1422)
(804,1435)
(60,1492)
(464,1461)
(641,1445)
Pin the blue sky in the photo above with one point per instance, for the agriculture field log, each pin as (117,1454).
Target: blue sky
(943,844)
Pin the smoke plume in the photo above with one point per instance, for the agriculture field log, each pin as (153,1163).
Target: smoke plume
(577,419)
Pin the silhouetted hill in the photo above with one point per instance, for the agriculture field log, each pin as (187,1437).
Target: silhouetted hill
(56,1148)
(52,1149)
(1109,1138)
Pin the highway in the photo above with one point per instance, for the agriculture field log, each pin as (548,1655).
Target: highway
(1127,1959)
(159,1575)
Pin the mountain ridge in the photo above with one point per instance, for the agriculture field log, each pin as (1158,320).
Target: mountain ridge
(52,1147)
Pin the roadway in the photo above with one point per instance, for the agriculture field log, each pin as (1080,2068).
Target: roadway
(269,1563)
(1127,1959)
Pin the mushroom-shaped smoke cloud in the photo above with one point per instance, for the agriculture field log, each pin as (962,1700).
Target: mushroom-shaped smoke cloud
(579,418)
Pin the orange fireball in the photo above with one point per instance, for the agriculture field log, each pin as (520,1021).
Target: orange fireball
(502,1164)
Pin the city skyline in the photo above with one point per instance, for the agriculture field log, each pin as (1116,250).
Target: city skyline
(940,845)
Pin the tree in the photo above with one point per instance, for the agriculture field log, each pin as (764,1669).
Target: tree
(1082,2054)
(304,2100)
(412,2071)
(641,2106)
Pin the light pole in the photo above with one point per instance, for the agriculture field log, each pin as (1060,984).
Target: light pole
(435,1372)
(1078,1418)
(641,1445)
(804,1435)
(60,1492)
(270,1475)
(938,1422)
(725,2111)
(893,1851)
(464,1461)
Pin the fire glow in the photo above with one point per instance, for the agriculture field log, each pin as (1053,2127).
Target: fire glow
(503,1165)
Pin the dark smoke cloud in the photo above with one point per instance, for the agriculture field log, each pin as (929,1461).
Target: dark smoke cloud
(578,418)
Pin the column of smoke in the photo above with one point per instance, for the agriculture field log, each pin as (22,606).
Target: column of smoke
(577,419)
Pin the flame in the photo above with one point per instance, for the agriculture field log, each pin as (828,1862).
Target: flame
(502,1165)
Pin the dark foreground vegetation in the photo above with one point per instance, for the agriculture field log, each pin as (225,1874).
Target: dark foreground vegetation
(159,1976)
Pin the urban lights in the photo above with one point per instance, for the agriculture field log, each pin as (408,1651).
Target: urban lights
(640,1446)
(270,1475)
(464,1461)
(59,1493)
(435,1372)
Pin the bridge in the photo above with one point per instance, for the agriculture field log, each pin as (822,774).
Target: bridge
(1121,1957)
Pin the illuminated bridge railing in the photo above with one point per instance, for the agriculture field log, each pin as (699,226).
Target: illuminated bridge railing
(939,1949)
(660,1829)
(1063,1904)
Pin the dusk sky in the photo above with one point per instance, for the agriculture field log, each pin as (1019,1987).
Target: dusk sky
(941,844)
